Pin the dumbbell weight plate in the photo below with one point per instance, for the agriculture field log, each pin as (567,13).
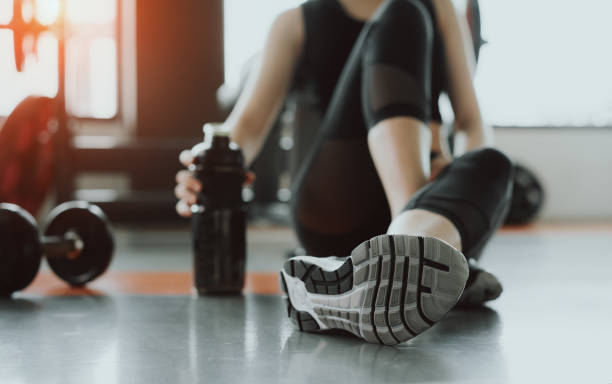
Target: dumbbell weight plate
(20,249)
(527,196)
(92,227)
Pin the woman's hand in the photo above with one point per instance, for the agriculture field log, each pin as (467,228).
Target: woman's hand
(437,164)
(258,105)
(188,187)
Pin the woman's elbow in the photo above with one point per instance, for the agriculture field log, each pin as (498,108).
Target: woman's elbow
(468,122)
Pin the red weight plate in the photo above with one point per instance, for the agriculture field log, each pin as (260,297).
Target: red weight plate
(27,153)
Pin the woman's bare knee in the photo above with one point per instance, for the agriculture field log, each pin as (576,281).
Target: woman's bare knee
(425,223)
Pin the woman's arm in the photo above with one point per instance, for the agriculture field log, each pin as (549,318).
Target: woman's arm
(470,131)
(265,92)
(259,103)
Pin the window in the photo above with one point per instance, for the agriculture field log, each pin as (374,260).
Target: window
(91,57)
(547,62)
(246,24)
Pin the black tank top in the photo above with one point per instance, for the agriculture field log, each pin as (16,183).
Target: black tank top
(330,36)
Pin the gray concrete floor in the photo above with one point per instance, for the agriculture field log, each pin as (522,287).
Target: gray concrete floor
(553,323)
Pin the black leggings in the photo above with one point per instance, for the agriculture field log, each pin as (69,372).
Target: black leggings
(338,198)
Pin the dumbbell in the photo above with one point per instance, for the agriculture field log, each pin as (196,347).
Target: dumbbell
(77,242)
(527,196)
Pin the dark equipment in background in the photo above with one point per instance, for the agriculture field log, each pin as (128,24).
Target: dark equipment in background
(174,96)
(28,153)
(527,196)
(170,113)
(39,125)
(77,242)
(527,193)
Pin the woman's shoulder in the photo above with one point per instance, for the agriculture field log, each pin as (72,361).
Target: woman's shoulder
(289,24)
(289,15)
(444,10)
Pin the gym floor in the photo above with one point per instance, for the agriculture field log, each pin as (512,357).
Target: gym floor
(139,322)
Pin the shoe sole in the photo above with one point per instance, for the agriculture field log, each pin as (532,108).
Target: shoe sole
(391,288)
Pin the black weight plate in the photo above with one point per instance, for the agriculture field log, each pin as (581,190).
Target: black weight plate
(20,249)
(527,196)
(93,228)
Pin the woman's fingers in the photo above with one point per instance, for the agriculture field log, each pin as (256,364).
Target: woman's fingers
(183,209)
(188,187)
(182,193)
(186,178)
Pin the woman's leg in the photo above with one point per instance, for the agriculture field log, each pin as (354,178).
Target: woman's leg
(466,203)
(338,198)
(473,192)
(403,172)
(378,111)
(392,287)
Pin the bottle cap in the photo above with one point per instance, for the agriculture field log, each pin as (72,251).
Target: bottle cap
(212,130)
(215,129)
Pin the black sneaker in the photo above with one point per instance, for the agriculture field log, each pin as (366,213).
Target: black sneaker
(481,286)
(389,290)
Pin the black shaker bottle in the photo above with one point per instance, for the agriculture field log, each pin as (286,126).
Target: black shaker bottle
(219,216)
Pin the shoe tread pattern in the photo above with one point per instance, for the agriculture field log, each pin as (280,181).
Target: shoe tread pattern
(415,281)
(410,283)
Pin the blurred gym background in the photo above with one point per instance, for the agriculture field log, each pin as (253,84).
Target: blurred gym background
(141,78)
(104,94)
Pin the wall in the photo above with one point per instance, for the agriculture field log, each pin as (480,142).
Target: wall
(574,165)
(179,66)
